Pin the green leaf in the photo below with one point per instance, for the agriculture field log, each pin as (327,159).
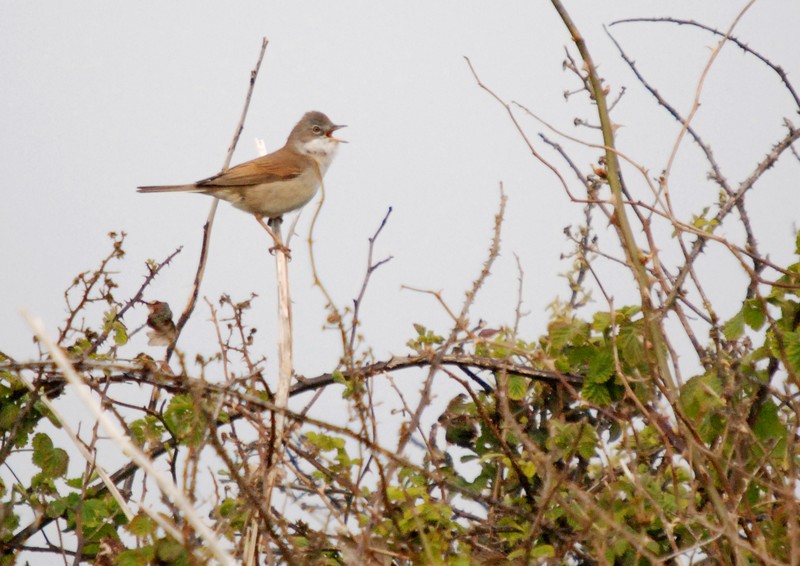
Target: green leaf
(94,512)
(148,429)
(52,461)
(517,387)
(9,413)
(700,395)
(338,377)
(596,393)
(734,328)
(141,526)
(601,321)
(631,344)
(791,341)
(42,444)
(185,420)
(753,312)
(528,468)
(460,560)
(137,557)
(601,368)
(169,551)
(768,426)
(571,438)
(58,507)
(235,512)
(543,551)
(630,311)
(76,483)
(573,332)
(588,442)
(579,356)
(120,333)
(325,442)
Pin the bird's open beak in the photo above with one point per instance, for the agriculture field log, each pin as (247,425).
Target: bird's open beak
(333,129)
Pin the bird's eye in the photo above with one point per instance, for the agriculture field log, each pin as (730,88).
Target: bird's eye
(316,129)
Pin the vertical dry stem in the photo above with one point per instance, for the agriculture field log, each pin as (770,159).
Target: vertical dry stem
(285,365)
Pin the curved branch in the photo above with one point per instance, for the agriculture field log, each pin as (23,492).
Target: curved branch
(744,47)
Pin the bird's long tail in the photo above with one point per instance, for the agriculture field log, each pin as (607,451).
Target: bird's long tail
(168,189)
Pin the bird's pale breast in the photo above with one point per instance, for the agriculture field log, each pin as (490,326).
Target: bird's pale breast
(275,198)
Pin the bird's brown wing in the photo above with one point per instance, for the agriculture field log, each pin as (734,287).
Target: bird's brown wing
(281,165)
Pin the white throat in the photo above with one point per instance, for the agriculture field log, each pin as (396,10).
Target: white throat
(321,149)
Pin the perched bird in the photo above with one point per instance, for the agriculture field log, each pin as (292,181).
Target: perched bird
(280,182)
(162,330)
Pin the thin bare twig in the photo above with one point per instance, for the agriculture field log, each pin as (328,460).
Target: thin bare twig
(371,267)
(743,46)
(201,265)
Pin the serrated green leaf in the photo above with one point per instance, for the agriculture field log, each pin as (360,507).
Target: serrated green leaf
(631,344)
(563,332)
(578,356)
(596,393)
(517,387)
(601,367)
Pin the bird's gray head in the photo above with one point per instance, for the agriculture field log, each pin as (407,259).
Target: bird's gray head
(311,126)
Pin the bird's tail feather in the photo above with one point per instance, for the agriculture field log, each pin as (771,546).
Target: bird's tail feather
(167,189)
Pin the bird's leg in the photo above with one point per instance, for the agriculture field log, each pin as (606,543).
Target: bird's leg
(278,244)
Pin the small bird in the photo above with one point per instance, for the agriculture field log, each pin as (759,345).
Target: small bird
(162,330)
(277,183)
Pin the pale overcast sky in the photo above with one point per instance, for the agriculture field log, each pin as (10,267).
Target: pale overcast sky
(98,98)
